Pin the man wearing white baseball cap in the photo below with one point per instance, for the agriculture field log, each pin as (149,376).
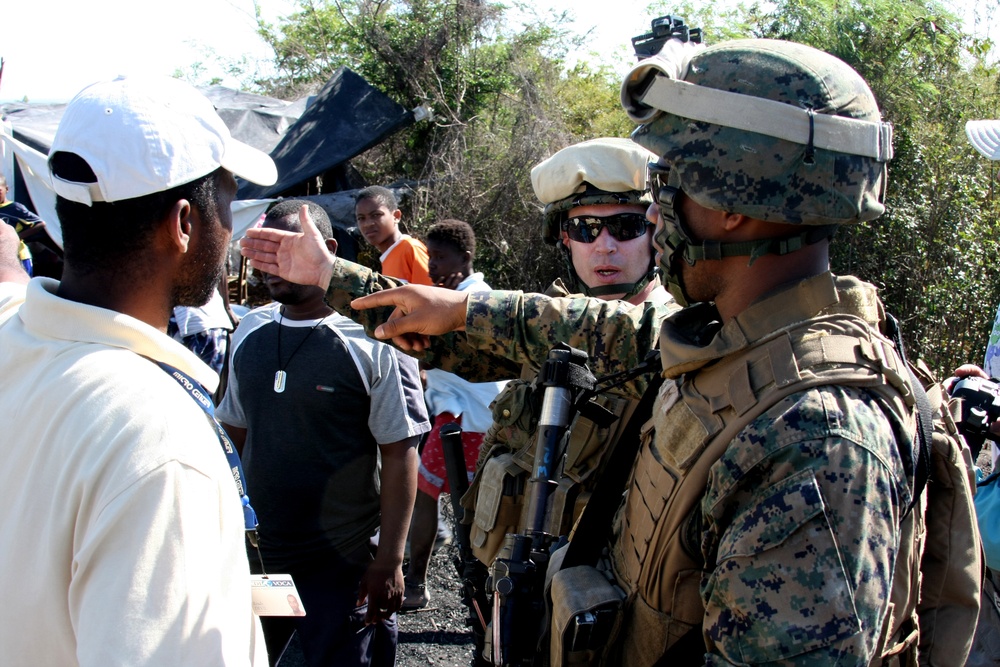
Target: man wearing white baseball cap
(123,521)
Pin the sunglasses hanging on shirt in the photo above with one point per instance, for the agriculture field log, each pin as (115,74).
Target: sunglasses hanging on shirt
(622,226)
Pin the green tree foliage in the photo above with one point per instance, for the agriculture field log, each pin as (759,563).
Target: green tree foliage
(501,99)
(934,254)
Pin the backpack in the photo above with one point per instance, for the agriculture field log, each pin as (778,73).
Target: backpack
(951,564)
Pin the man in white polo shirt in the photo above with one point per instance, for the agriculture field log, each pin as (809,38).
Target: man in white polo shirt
(122,523)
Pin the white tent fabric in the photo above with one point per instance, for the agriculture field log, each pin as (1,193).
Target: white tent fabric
(36,176)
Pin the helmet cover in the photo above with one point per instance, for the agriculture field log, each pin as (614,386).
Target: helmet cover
(763,177)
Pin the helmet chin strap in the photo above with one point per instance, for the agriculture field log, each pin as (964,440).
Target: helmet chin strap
(679,246)
(607,290)
(684,251)
(628,290)
(757,248)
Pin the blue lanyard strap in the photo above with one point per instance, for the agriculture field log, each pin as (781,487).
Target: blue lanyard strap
(200,396)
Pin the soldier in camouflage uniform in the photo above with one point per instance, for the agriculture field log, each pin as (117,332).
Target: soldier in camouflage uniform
(768,515)
(595,198)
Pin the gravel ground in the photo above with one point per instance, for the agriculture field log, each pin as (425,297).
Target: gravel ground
(436,635)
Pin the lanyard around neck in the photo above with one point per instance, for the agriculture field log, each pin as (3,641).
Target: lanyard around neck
(200,396)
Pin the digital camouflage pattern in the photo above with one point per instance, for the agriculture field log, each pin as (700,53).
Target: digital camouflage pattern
(512,431)
(786,509)
(802,516)
(728,169)
(535,324)
(803,543)
(509,452)
(616,335)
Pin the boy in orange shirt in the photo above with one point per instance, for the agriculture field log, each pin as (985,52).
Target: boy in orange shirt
(404,257)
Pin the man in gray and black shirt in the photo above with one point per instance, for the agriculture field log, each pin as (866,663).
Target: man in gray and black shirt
(314,404)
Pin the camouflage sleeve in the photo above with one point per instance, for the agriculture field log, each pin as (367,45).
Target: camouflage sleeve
(523,327)
(450,352)
(351,281)
(801,518)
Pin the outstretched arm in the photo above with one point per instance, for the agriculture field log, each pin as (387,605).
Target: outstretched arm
(304,259)
(522,328)
(417,312)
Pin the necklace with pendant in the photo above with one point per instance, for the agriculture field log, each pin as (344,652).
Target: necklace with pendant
(281,377)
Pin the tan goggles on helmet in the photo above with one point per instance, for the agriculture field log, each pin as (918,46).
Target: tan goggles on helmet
(622,226)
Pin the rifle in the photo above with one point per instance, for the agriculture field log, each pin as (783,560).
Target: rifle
(517,575)
(519,623)
(471,572)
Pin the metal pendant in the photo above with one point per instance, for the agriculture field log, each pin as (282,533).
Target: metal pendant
(279,381)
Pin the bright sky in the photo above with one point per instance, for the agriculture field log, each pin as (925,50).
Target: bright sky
(53,48)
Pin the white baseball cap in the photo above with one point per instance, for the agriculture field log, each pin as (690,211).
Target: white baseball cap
(984,135)
(142,135)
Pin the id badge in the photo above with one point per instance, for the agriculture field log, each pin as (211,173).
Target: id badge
(275,595)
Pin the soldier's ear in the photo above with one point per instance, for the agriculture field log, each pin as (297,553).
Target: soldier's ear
(734,221)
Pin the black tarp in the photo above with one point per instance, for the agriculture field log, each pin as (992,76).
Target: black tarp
(346,118)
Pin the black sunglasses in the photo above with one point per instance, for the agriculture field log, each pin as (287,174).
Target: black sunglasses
(622,226)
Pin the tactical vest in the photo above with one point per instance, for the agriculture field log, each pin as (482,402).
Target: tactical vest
(496,495)
(656,558)
(495,499)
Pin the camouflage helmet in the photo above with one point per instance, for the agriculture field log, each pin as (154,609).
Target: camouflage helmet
(773,130)
(599,171)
